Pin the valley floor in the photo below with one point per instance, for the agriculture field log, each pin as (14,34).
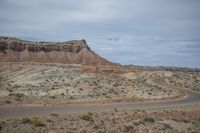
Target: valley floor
(33,83)
(61,98)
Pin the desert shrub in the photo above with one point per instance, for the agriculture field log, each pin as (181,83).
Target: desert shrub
(115,85)
(138,123)
(10,90)
(71,97)
(37,122)
(128,127)
(86,116)
(166,126)
(53,97)
(139,110)
(68,84)
(18,99)
(108,96)
(81,89)
(7,101)
(113,131)
(54,114)
(150,120)
(70,131)
(26,120)
(19,95)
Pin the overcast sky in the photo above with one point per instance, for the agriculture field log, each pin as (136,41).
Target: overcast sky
(140,32)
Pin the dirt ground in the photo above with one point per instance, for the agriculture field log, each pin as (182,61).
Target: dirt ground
(52,84)
(185,119)
(33,83)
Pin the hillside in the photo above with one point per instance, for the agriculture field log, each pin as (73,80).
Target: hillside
(68,52)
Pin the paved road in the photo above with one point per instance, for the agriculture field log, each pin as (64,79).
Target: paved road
(192,98)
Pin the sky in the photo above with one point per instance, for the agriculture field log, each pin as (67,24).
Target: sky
(138,32)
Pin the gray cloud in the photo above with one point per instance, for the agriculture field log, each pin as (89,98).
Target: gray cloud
(142,32)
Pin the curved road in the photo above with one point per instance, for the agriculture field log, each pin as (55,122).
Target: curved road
(18,111)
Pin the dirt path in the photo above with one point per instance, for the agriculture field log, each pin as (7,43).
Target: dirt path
(18,111)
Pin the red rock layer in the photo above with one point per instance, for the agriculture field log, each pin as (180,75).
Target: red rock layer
(69,52)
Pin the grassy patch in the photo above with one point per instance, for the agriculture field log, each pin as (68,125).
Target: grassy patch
(86,116)
(37,122)
(34,120)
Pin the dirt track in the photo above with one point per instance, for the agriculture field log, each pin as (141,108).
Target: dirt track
(18,111)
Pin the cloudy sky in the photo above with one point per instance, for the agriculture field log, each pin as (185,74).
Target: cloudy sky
(140,32)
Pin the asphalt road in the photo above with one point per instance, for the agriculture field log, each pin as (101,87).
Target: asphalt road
(19,111)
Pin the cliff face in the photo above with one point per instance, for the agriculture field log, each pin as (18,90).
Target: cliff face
(69,52)
(14,44)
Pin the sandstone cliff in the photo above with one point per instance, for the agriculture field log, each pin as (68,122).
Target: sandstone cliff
(69,52)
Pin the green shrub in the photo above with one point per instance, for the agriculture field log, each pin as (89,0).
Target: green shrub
(150,120)
(109,97)
(19,95)
(54,114)
(86,116)
(71,97)
(53,97)
(37,122)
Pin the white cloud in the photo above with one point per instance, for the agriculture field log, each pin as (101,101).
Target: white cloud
(156,32)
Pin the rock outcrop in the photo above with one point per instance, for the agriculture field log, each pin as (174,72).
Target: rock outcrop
(69,52)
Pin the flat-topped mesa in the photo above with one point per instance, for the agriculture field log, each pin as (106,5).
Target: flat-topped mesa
(68,52)
(8,43)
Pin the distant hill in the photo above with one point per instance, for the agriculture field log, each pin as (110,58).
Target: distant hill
(68,52)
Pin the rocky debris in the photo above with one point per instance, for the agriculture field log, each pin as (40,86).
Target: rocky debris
(68,52)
